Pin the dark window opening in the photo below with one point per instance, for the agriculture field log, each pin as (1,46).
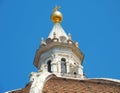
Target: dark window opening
(75,73)
(49,66)
(63,65)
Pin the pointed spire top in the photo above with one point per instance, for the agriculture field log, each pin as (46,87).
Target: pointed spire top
(57,31)
(56,16)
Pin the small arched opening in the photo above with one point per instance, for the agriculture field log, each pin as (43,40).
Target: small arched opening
(49,66)
(63,65)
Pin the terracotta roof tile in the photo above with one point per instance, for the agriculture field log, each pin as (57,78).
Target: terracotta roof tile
(61,85)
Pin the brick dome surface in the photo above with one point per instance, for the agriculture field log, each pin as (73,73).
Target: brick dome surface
(64,85)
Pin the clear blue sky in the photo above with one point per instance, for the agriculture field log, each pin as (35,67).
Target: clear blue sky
(95,24)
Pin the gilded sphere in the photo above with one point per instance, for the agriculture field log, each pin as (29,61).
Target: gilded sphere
(57,17)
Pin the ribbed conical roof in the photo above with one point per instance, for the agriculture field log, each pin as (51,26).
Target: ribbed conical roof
(58,32)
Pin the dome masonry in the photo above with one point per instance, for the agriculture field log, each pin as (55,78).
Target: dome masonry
(56,16)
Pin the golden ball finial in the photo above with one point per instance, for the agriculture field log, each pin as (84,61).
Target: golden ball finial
(56,16)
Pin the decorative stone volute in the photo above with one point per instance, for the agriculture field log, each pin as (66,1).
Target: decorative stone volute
(42,41)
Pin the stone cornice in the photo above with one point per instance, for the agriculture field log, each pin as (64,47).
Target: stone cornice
(51,45)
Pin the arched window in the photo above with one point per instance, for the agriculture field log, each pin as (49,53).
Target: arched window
(49,65)
(63,65)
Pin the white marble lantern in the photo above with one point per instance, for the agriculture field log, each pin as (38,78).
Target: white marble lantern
(58,55)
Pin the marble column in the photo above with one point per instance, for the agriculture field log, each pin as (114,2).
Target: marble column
(68,67)
(80,70)
(54,67)
(59,67)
